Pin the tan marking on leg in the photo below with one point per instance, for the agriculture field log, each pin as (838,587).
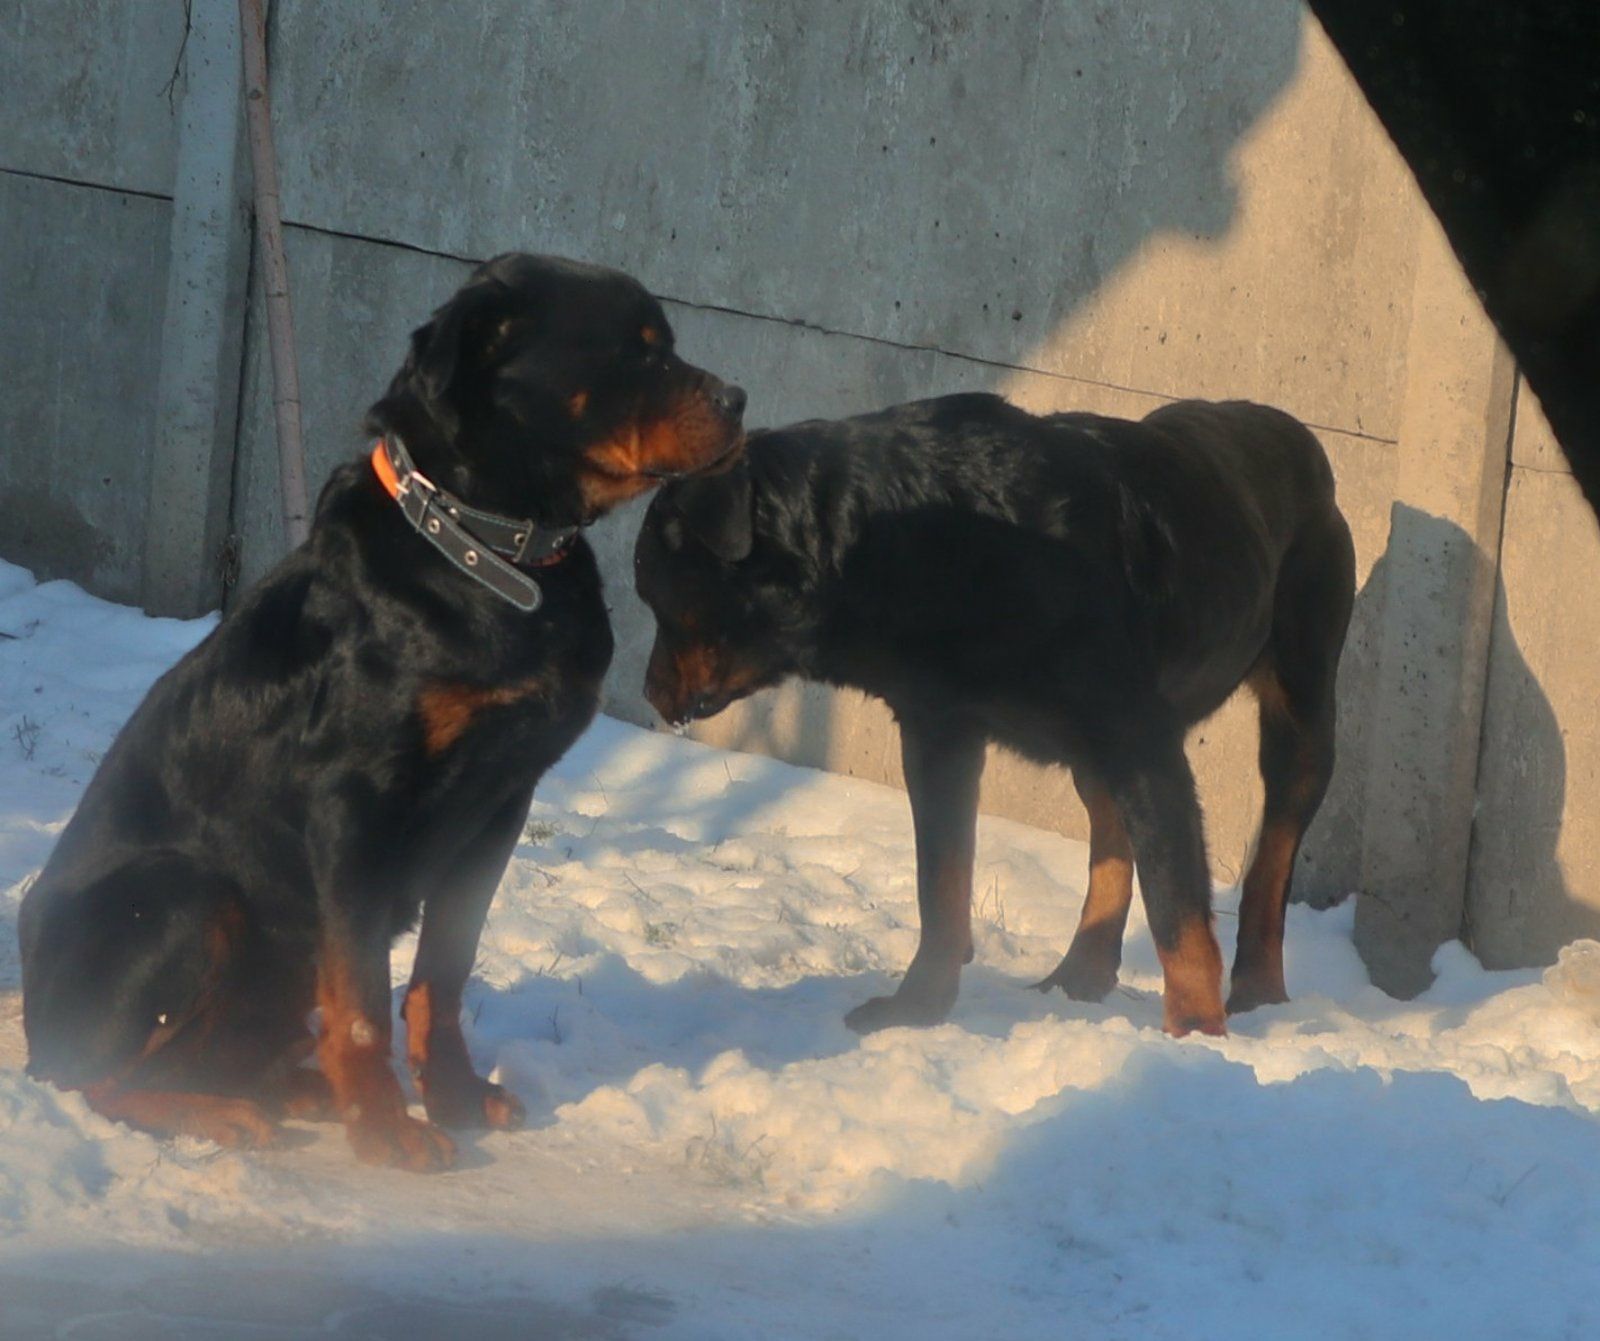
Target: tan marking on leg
(436,1052)
(1110,894)
(1089,970)
(366,1093)
(1293,794)
(355,1061)
(1268,689)
(417,1012)
(1192,973)
(1258,964)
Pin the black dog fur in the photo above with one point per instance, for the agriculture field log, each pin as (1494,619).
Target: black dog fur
(356,745)
(1078,588)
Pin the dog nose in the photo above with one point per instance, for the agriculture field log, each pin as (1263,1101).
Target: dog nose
(731,400)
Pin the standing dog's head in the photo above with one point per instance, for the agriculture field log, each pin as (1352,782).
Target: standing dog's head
(732,614)
(553,388)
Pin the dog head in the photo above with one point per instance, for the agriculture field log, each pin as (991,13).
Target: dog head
(731,615)
(552,388)
(118,971)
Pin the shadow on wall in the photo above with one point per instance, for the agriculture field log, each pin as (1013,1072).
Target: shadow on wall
(1520,906)
(1515,876)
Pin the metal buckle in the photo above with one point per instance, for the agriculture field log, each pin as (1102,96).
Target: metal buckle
(420,480)
(417,505)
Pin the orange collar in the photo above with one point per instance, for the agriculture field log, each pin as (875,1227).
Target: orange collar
(383,468)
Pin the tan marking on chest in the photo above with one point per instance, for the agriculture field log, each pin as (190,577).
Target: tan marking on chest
(447,710)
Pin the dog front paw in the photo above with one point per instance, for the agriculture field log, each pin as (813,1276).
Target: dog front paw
(1180,1018)
(400,1141)
(925,997)
(1254,990)
(1082,978)
(913,1010)
(473,1102)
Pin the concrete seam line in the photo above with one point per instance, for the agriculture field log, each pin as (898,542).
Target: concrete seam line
(29,175)
(808,325)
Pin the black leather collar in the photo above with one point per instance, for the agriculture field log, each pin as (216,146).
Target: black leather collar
(484,545)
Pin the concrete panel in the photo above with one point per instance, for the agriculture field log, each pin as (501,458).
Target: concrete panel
(1428,709)
(81,289)
(1169,197)
(1534,880)
(86,90)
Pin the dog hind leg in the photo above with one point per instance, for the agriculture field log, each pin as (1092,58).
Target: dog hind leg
(1089,970)
(1294,687)
(1154,791)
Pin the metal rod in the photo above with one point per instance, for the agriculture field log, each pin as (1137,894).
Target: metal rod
(275,274)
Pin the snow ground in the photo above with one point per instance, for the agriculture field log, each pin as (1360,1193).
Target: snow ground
(711,1154)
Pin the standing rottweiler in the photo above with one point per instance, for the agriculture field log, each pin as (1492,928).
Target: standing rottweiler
(1078,588)
(358,740)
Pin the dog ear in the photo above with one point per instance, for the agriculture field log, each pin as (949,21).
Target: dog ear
(437,348)
(718,510)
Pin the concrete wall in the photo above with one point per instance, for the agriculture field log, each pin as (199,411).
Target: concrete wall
(1089,204)
(86,155)
(82,282)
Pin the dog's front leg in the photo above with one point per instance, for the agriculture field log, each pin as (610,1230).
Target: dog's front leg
(452,920)
(1157,802)
(353,1051)
(943,761)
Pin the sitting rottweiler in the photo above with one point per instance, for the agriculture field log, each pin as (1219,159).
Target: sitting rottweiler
(1078,588)
(358,741)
